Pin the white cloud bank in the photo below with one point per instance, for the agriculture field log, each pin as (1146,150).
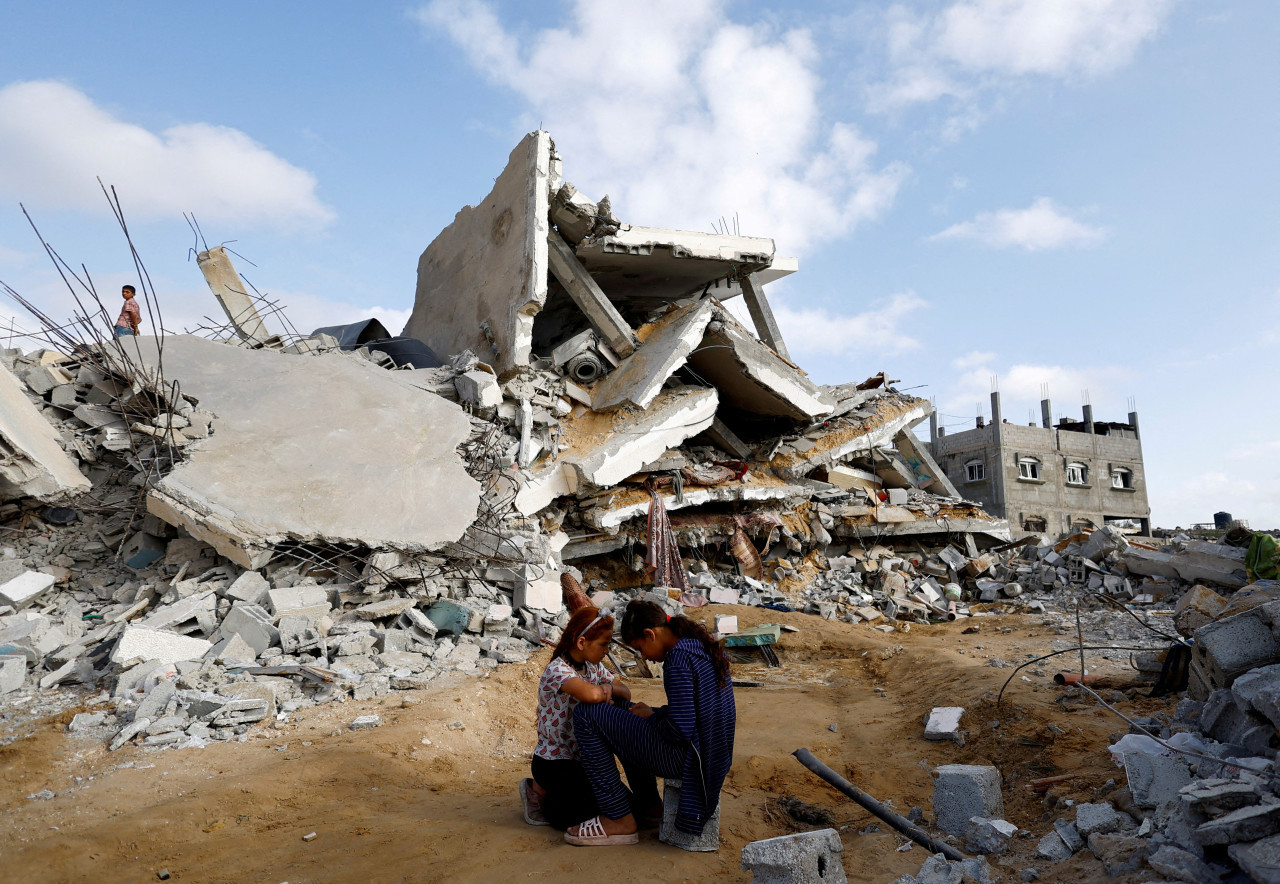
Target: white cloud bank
(819,332)
(684,117)
(972,45)
(1042,225)
(55,142)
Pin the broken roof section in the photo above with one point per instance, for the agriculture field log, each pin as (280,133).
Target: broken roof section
(310,448)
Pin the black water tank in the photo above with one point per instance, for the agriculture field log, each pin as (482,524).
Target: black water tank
(1222,521)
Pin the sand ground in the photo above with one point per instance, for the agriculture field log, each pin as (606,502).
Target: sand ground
(431,794)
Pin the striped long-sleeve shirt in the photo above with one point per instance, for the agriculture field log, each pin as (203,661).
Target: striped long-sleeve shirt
(701,714)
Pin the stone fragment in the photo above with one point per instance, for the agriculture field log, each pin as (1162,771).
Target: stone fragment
(25,589)
(141,643)
(1101,818)
(128,732)
(1181,865)
(252,624)
(83,721)
(366,721)
(1196,607)
(726,624)
(943,723)
(154,704)
(479,388)
(142,550)
(1069,834)
(1053,848)
(250,588)
(1155,779)
(310,601)
(1260,860)
(13,672)
(937,870)
(989,836)
(1119,853)
(963,791)
(1245,824)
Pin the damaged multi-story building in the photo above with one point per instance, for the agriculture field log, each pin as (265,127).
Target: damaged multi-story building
(1047,479)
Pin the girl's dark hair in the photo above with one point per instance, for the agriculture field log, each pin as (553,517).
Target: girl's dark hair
(577,626)
(642,615)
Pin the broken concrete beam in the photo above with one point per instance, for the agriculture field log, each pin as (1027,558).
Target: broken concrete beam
(762,315)
(584,291)
(601,456)
(610,517)
(1191,567)
(284,461)
(803,858)
(917,454)
(848,478)
(751,377)
(26,588)
(727,440)
(640,376)
(483,279)
(32,462)
(890,417)
(141,643)
(231,293)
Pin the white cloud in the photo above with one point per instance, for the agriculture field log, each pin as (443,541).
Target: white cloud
(1021,383)
(819,332)
(684,117)
(974,359)
(972,45)
(55,142)
(1042,225)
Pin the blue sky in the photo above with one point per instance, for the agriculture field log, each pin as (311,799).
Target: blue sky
(1082,193)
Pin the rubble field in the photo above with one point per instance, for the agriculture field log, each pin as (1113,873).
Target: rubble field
(387,805)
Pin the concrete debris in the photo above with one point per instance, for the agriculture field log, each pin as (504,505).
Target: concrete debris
(964,791)
(803,858)
(32,462)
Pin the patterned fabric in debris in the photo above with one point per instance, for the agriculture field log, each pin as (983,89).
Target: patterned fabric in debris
(664,554)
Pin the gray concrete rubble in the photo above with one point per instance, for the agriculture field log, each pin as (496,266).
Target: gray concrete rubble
(803,858)
(964,791)
(32,460)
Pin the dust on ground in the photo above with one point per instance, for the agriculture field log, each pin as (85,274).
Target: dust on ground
(431,794)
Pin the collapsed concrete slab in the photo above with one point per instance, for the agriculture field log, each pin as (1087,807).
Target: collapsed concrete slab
(311,448)
(883,421)
(751,377)
(32,463)
(632,502)
(603,449)
(666,346)
(483,279)
(649,263)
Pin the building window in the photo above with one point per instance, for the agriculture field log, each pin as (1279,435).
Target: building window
(1028,468)
(1077,474)
(1121,478)
(1037,524)
(975,471)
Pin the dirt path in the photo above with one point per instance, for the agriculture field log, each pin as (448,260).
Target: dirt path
(430,795)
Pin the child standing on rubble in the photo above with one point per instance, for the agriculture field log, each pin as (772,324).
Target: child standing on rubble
(558,793)
(130,316)
(691,738)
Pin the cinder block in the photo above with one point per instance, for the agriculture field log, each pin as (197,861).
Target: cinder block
(25,588)
(1232,646)
(142,549)
(708,841)
(310,601)
(963,791)
(250,587)
(804,858)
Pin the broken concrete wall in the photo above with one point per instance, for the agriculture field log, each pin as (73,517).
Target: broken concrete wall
(488,269)
(32,463)
(314,448)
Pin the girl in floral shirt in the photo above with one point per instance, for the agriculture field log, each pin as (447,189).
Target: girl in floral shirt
(558,794)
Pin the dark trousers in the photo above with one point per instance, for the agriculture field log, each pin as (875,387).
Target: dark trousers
(605,731)
(569,798)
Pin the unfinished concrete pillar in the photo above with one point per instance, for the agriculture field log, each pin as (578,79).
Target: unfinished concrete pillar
(762,315)
(933,429)
(1088,419)
(227,287)
(1046,414)
(995,407)
(1133,422)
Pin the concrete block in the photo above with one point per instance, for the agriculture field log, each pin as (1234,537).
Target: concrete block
(538,588)
(1259,860)
(250,588)
(84,721)
(1069,834)
(1197,607)
(195,613)
(299,633)
(479,388)
(141,643)
(1245,824)
(142,550)
(1155,779)
(1182,865)
(1053,848)
(1101,818)
(708,841)
(1229,647)
(722,596)
(1215,797)
(943,723)
(963,791)
(26,588)
(726,624)
(292,599)
(364,722)
(128,732)
(13,672)
(253,625)
(234,651)
(803,858)
(897,496)
(989,836)
(154,704)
